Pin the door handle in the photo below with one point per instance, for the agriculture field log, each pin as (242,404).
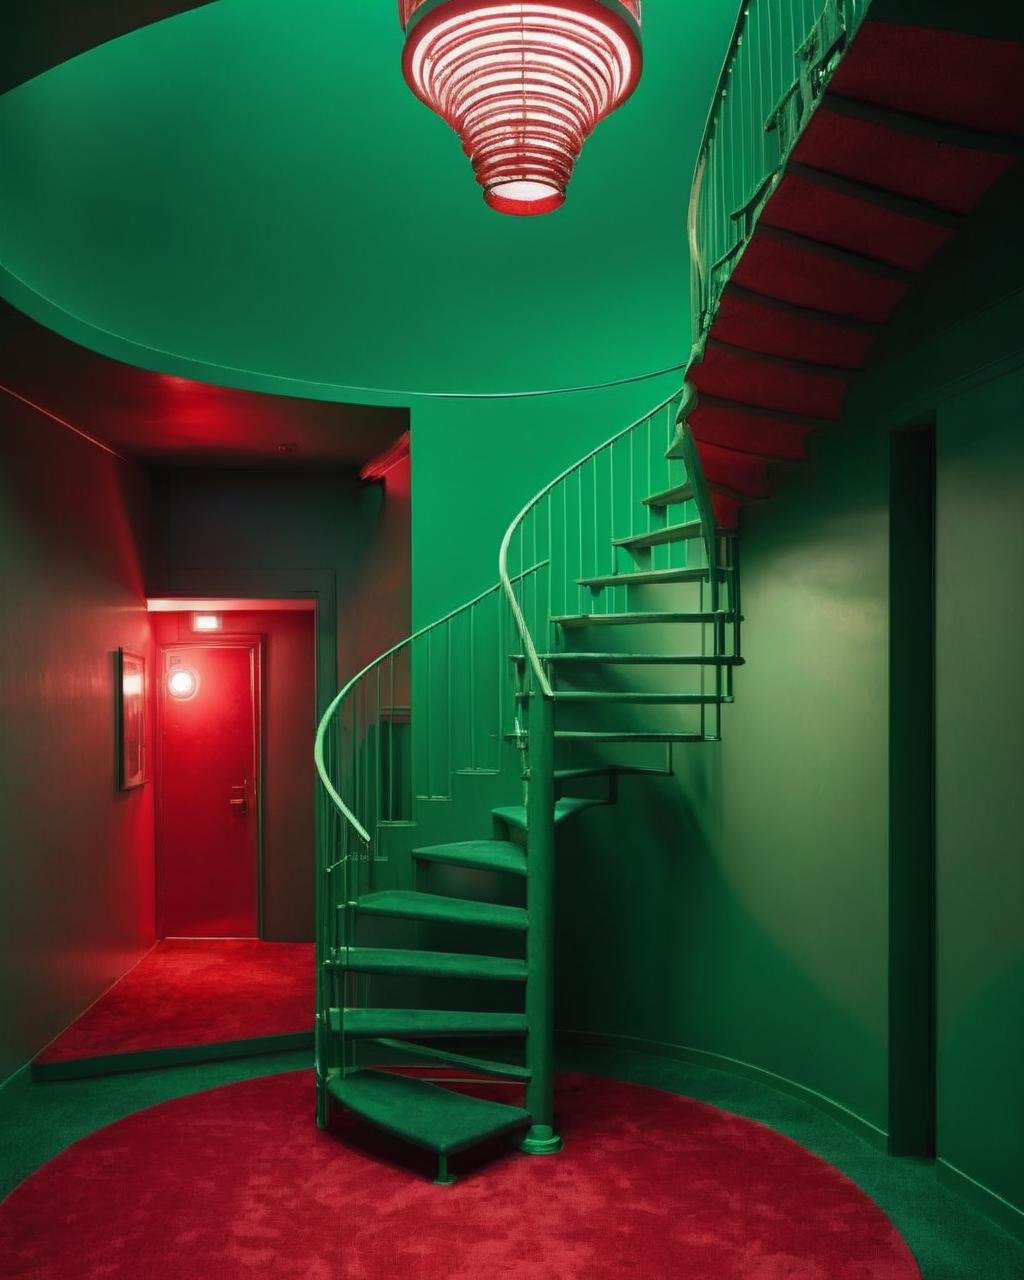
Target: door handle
(239,804)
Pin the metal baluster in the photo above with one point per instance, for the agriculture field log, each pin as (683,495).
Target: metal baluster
(545,630)
(472,688)
(535,583)
(379,753)
(580,604)
(611,512)
(447,703)
(392,761)
(429,716)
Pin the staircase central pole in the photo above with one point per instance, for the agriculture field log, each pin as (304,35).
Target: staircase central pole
(541,1138)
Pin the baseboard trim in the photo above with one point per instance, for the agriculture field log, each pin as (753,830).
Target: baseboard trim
(182,1055)
(878,1138)
(984,1199)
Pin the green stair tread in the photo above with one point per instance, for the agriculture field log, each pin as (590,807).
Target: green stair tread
(625,735)
(658,537)
(671,497)
(486,855)
(645,578)
(435,964)
(601,770)
(647,659)
(412,905)
(433,1053)
(425,1114)
(566,807)
(640,699)
(410,1023)
(638,619)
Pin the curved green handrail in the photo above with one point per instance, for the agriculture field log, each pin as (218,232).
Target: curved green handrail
(330,714)
(506,579)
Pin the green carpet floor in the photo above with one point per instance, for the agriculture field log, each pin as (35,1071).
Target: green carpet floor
(951,1240)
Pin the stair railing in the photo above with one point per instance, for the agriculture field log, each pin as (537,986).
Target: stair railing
(777,66)
(568,531)
(375,762)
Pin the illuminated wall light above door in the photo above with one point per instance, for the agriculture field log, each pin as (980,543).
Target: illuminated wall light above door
(182,683)
(523,83)
(206,622)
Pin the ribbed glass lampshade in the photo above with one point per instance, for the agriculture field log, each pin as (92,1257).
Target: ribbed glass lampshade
(523,83)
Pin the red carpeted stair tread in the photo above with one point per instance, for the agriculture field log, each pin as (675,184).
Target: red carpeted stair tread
(764,324)
(950,177)
(738,427)
(833,218)
(758,380)
(238,1182)
(727,512)
(747,475)
(942,75)
(797,275)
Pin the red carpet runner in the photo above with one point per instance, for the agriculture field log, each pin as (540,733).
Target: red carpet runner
(195,992)
(238,1184)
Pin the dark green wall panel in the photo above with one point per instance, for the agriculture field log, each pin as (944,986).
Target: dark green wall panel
(267,533)
(980,799)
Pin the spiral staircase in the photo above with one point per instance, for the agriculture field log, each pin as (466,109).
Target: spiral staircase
(842,151)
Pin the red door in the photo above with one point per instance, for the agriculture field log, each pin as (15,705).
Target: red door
(207,870)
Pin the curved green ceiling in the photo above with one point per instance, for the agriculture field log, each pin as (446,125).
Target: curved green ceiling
(248,193)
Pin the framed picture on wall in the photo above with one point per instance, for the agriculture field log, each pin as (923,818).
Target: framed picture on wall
(131,719)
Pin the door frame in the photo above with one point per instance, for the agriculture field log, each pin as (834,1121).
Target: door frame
(255,643)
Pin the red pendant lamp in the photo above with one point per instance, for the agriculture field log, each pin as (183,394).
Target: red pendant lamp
(523,83)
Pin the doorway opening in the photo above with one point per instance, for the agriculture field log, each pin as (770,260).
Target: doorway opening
(235,712)
(912,792)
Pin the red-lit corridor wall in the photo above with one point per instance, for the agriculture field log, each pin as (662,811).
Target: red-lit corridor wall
(77,902)
(77,906)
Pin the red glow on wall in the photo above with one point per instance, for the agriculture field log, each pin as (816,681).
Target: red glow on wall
(523,83)
(377,468)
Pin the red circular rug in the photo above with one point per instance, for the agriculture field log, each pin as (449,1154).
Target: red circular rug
(238,1184)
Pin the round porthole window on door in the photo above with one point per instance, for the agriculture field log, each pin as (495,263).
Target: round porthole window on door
(182,683)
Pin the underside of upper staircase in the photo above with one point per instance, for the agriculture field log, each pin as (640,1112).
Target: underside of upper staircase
(913,128)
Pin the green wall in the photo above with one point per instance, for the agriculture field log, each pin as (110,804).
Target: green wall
(741,910)
(477,463)
(980,801)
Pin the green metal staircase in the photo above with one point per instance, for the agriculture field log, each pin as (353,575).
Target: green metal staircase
(490,729)
(613,634)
